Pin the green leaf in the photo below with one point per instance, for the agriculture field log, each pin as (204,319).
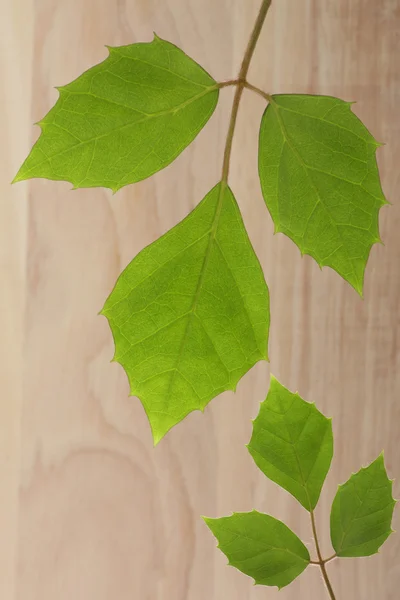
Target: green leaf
(292,444)
(320,180)
(190,314)
(124,119)
(261,547)
(362,512)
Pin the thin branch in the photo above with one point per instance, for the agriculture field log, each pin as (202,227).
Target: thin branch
(324,561)
(223,84)
(321,562)
(247,85)
(257,90)
(330,558)
(241,83)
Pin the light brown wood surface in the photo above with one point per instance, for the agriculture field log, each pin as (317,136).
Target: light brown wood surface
(89,510)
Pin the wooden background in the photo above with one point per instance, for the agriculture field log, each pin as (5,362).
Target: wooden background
(89,510)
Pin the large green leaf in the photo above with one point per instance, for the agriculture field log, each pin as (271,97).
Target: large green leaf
(190,314)
(261,547)
(320,180)
(124,119)
(362,512)
(292,444)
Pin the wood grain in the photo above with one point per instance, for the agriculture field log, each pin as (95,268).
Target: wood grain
(89,510)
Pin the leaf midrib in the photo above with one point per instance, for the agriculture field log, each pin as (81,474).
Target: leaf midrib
(247,537)
(304,483)
(363,500)
(120,128)
(191,313)
(277,108)
(217,214)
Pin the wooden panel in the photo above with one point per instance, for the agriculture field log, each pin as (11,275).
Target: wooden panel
(89,510)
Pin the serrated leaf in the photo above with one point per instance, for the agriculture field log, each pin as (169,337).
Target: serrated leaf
(292,444)
(190,314)
(124,119)
(320,180)
(362,512)
(260,546)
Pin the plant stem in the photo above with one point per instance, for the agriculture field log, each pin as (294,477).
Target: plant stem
(330,558)
(241,84)
(326,560)
(322,562)
(257,90)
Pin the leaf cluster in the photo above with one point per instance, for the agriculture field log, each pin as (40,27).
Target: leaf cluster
(292,444)
(190,314)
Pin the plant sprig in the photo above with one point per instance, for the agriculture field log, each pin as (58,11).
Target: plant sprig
(292,444)
(190,314)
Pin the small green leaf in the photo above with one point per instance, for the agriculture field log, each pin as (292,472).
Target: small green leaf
(261,547)
(124,119)
(292,444)
(362,512)
(320,180)
(190,314)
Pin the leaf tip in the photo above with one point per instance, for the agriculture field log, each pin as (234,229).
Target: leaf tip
(359,289)
(16,179)
(157,437)
(156,38)
(272,378)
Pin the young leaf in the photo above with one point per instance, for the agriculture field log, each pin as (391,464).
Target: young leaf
(362,512)
(190,314)
(292,444)
(124,119)
(261,547)
(320,180)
